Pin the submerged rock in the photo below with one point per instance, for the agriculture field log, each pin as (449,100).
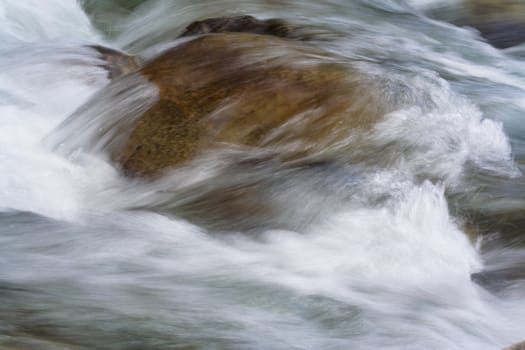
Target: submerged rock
(496,10)
(500,22)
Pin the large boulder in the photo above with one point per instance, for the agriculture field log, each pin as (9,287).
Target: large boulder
(261,105)
(247,90)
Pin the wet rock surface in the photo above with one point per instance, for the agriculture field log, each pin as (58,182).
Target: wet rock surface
(246,90)
(239,24)
(117,63)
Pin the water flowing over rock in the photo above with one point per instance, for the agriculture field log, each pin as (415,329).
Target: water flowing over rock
(304,178)
(246,90)
(237,83)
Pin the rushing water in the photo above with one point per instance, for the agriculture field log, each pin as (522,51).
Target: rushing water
(419,246)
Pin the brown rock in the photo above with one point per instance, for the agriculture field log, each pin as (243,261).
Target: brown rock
(116,63)
(248,90)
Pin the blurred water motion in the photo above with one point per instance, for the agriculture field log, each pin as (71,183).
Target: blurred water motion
(409,236)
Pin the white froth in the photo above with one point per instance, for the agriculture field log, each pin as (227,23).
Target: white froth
(34,21)
(441,140)
(40,85)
